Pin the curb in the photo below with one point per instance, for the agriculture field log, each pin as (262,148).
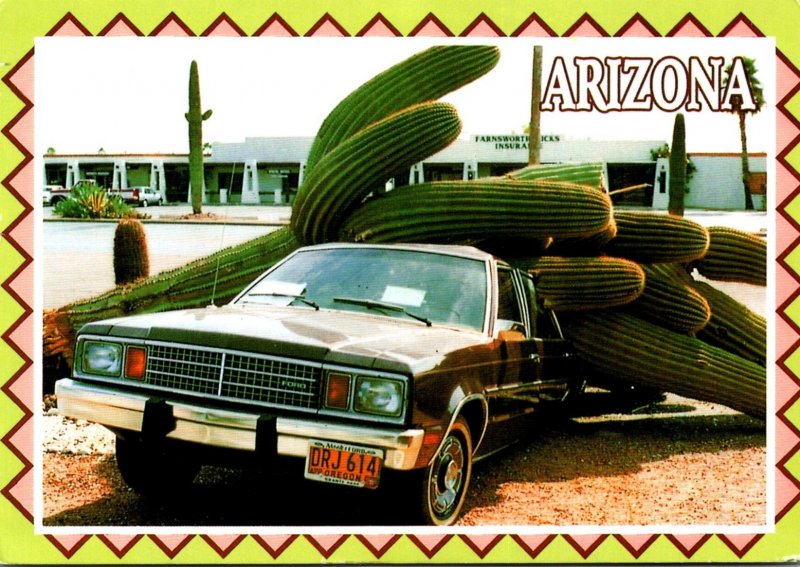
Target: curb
(228,222)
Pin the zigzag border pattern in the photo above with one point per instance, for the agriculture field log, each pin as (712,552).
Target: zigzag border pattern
(18,184)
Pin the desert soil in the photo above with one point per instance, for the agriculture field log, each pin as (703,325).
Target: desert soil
(680,462)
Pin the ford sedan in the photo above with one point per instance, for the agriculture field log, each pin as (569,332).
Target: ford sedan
(352,359)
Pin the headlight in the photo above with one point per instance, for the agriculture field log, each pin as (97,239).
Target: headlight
(379,396)
(102,358)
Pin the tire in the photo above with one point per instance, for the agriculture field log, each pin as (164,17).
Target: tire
(145,203)
(445,481)
(154,471)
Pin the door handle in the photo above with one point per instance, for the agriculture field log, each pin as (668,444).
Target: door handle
(535,358)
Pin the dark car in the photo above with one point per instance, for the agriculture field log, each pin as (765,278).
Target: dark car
(356,358)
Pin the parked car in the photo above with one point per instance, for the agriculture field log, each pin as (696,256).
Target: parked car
(147,196)
(129,195)
(52,194)
(47,193)
(354,359)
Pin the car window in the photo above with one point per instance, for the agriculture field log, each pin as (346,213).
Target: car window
(509,313)
(445,289)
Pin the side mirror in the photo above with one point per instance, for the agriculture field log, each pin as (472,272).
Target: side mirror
(510,330)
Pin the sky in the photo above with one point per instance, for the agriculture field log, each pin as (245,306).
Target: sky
(129,95)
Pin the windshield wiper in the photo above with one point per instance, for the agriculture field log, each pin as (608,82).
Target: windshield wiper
(300,298)
(370,304)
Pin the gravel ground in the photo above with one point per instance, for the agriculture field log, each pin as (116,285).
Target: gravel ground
(680,462)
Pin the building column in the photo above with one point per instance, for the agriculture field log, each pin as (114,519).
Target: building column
(119,179)
(158,179)
(73,172)
(661,185)
(470,170)
(250,188)
(417,174)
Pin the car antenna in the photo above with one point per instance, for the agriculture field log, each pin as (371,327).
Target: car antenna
(222,238)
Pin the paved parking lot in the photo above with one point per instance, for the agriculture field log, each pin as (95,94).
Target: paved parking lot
(244,213)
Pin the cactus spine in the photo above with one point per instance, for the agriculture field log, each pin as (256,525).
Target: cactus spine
(422,77)
(734,255)
(640,352)
(131,258)
(579,284)
(652,238)
(346,175)
(456,211)
(195,118)
(677,167)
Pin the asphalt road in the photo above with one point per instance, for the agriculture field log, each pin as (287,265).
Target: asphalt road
(78,256)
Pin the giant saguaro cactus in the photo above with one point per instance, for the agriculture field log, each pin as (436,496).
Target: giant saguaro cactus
(422,77)
(195,118)
(677,167)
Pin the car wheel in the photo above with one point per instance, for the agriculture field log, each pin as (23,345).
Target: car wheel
(153,471)
(145,203)
(445,480)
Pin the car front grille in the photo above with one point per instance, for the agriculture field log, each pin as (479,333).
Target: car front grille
(234,375)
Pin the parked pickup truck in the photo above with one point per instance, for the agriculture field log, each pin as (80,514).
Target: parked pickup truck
(353,359)
(142,195)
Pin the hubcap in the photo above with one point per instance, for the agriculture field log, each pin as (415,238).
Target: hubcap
(447,477)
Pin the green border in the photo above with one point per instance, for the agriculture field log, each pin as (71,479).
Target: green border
(23,20)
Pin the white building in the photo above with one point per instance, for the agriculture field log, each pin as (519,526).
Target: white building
(269,170)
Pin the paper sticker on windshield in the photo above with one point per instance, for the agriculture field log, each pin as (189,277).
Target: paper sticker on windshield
(403,295)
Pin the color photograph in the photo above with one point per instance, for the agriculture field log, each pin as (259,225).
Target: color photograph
(400,285)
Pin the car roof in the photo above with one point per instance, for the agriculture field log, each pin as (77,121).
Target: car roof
(448,249)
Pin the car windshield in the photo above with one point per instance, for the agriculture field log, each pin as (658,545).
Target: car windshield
(408,284)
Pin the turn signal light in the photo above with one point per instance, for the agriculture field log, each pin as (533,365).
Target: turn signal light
(135,363)
(337,395)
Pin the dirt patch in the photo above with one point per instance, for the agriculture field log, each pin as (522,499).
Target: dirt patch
(679,462)
(204,217)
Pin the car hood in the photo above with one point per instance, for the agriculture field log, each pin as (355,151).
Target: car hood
(332,336)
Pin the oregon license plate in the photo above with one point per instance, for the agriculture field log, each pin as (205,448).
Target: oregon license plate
(341,463)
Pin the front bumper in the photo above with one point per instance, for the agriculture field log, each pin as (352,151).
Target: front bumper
(122,409)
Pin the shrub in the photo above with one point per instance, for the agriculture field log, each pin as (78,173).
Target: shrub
(88,201)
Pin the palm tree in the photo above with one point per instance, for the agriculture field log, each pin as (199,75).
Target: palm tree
(738,108)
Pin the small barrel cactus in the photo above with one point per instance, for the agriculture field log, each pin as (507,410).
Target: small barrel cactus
(131,258)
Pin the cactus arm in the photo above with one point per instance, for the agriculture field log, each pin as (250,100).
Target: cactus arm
(733,326)
(643,353)
(457,211)
(734,255)
(653,238)
(580,284)
(219,276)
(670,303)
(422,77)
(346,175)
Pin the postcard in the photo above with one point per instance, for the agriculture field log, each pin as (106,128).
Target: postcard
(374,284)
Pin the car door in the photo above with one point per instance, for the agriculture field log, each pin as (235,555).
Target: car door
(554,355)
(517,388)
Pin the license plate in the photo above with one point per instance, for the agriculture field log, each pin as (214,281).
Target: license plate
(340,463)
